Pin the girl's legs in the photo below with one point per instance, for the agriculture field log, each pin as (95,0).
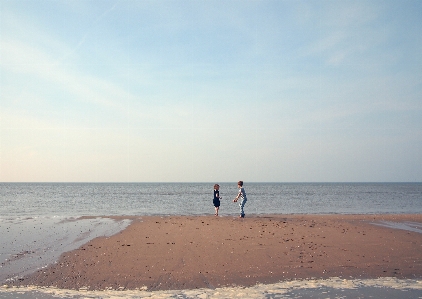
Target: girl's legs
(216,211)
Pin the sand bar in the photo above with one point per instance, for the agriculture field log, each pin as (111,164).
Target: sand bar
(183,252)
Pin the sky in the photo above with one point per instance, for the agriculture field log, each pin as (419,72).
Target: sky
(210,91)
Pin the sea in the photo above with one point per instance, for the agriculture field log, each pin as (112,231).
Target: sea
(40,221)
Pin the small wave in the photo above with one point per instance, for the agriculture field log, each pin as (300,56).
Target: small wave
(331,288)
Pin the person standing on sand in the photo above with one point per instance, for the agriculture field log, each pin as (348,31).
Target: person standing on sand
(241,194)
(216,200)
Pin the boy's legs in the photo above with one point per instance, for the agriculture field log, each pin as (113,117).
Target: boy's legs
(241,205)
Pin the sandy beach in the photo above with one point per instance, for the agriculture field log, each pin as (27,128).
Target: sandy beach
(183,252)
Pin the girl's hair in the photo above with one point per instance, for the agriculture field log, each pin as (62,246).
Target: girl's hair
(216,185)
(240,183)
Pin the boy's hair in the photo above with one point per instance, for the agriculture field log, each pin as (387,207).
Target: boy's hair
(216,185)
(240,183)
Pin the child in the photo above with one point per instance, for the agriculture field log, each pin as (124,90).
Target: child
(241,194)
(216,200)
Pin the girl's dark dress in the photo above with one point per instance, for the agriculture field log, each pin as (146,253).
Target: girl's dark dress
(216,200)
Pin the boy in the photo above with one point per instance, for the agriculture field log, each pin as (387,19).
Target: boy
(241,194)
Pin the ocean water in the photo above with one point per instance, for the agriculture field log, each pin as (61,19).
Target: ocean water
(19,200)
(40,221)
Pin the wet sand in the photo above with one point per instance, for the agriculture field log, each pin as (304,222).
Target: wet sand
(29,244)
(182,252)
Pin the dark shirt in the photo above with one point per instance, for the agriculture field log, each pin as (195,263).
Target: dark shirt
(216,195)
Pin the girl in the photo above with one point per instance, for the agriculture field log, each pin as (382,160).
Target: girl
(216,200)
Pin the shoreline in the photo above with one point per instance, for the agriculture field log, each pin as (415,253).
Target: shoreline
(193,252)
(323,288)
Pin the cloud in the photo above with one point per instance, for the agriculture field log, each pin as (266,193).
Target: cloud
(31,62)
(347,33)
(89,32)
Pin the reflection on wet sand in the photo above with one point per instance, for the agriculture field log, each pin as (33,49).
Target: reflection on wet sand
(407,225)
(30,244)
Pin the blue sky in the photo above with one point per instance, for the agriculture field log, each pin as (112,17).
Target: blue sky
(210,91)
